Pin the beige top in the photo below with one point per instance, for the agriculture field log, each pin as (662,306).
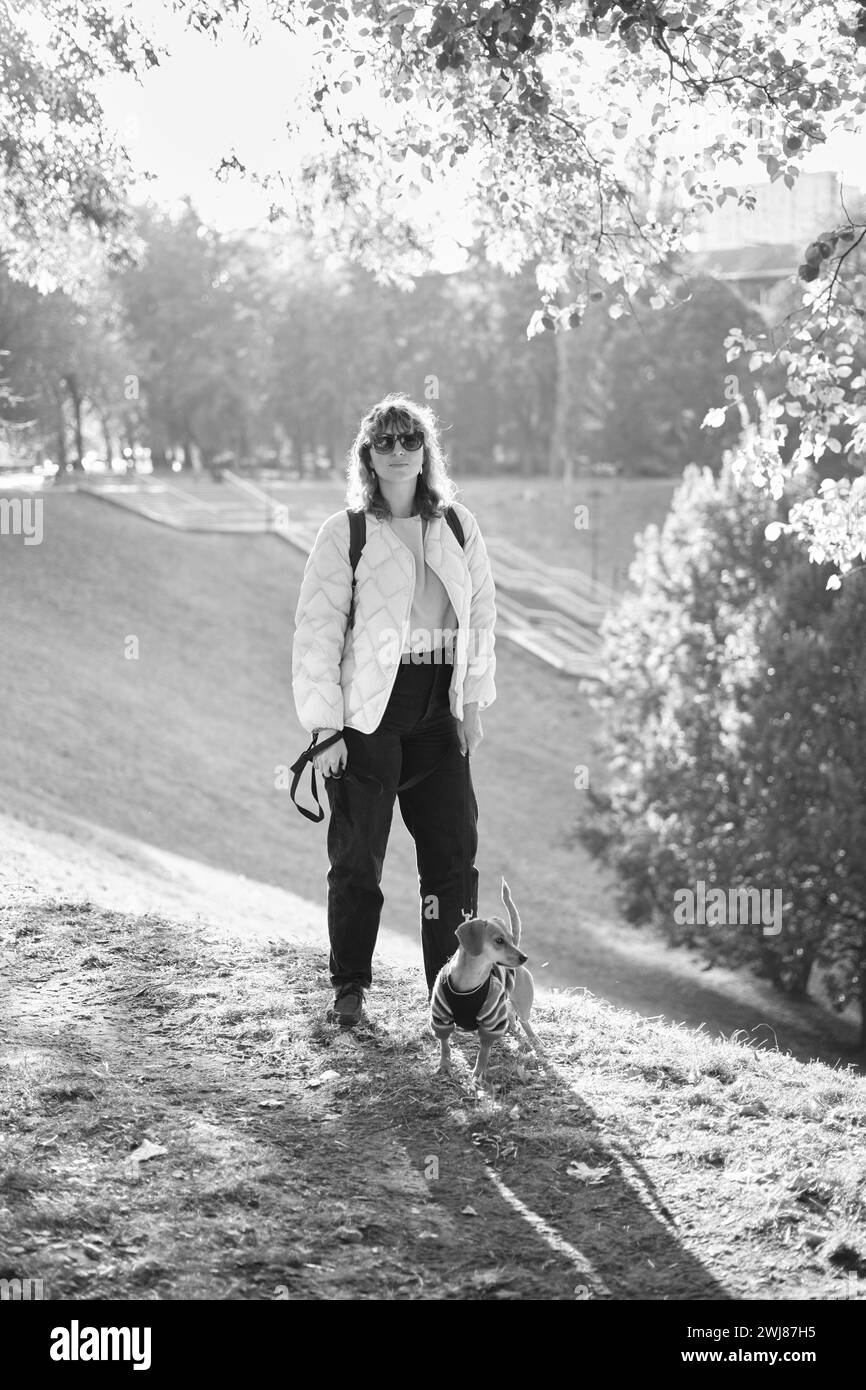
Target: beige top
(432,611)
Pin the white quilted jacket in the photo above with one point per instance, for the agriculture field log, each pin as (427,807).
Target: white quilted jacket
(343,677)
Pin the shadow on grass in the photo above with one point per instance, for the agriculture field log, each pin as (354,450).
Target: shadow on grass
(301,1161)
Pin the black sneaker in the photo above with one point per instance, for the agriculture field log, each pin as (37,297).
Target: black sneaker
(348,1004)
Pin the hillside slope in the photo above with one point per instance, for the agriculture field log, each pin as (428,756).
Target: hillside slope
(181,746)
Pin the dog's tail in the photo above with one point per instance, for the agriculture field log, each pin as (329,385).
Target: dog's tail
(513,914)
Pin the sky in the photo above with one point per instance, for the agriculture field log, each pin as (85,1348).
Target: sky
(208,99)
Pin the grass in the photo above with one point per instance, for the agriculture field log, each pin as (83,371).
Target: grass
(183,747)
(538,515)
(297,1161)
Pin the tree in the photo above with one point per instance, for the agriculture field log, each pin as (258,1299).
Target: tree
(802,788)
(822,402)
(734,761)
(193,312)
(662,373)
(63,180)
(537,106)
(566,123)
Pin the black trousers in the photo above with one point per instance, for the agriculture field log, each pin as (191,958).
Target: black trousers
(417,734)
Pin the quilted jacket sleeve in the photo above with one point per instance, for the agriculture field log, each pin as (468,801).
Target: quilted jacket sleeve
(321,618)
(479,684)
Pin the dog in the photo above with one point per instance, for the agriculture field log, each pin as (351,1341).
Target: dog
(484,987)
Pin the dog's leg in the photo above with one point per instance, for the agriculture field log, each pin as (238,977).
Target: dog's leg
(445,1056)
(532,1036)
(522,997)
(486,1043)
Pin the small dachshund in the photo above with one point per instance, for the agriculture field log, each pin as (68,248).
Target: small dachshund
(484,987)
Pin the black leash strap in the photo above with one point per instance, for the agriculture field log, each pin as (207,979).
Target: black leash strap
(298,767)
(310,752)
(468,913)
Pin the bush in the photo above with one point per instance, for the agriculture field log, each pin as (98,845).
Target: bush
(734,705)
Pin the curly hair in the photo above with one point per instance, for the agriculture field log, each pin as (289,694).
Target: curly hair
(397,414)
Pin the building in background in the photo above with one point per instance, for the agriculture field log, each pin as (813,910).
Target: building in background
(754,250)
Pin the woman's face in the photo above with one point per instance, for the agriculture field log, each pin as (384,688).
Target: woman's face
(396,453)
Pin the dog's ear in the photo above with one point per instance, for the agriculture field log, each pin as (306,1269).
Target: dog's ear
(471,935)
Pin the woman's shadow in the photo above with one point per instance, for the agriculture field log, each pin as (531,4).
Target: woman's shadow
(535,1200)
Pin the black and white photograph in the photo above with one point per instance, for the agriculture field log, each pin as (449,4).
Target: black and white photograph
(432,670)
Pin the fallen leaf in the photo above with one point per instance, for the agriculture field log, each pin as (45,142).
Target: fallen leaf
(469,1211)
(145,1151)
(270,1104)
(584,1173)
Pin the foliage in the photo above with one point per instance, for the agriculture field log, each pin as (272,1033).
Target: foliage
(732,762)
(64,180)
(822,401)
(255,347)
(539,105)
(661,372)
(564,128)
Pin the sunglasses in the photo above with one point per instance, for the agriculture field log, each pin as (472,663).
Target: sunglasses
(384,443)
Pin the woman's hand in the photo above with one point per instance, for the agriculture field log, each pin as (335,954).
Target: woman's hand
(469,730)
(333,760)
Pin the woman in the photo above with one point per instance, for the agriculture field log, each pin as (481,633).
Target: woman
(404,683)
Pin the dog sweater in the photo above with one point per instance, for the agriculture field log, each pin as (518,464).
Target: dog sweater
(484,1008)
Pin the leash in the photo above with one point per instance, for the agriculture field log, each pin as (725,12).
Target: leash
(468,914)
(297,768)
(314,748)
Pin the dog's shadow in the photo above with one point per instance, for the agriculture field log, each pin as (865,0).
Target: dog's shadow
(553,1204)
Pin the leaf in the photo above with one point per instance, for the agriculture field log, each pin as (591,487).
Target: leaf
(145,1151)
(834,582)
(469,1211)
(584,1173)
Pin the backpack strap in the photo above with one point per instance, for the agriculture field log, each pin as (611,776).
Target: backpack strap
(357,540)
(454,522)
